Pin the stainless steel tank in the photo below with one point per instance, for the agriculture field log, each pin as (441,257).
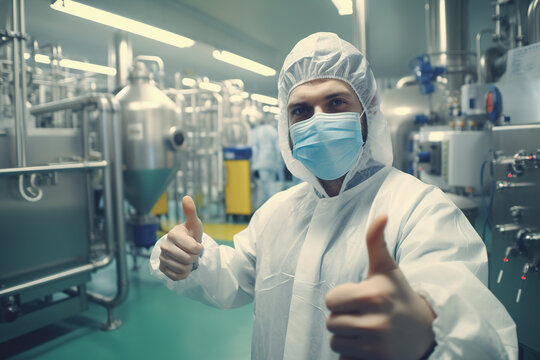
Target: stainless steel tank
(150,135)
(533,20)
(447,31)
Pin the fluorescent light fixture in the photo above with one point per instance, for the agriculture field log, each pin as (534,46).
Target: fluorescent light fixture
(121,23)
(210,86)
(73,64)
(271,109)
(245,94)
(236,98)
(264,99)
(344,7)
(42,59)
(83,66)
(189,82)
(243,62)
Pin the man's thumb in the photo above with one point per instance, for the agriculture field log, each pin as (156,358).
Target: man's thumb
(380,261)
(193,224)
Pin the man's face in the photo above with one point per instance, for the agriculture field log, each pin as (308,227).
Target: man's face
(326,96)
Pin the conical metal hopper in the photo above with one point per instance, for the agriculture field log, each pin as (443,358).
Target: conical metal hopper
(149,137)
(142,188)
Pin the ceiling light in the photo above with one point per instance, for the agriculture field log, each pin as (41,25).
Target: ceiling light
(243,62)
(344,7)
(245,94)
(83,66)
(271,109)
(236,98)
(264,99)
(188,82)
(121,23)
(73,64)
(42,59)
(210,86)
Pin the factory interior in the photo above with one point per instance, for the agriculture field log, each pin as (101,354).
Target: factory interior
(112,111)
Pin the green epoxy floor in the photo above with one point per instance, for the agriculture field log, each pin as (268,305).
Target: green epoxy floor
(157,324)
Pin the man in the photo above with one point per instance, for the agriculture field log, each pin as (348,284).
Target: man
(360,260)
(266,163)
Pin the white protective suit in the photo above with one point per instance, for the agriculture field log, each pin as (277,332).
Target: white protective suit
(302,243)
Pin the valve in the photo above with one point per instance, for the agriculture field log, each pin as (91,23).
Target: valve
(176,138)
(527,268)
(10,309)
(510,251)
(425,73)
(523,159)
(517,212)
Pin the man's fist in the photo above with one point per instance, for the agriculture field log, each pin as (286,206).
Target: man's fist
(181,249)
(380,317)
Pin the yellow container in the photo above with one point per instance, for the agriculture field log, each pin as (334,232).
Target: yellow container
(237,187)
(160,207)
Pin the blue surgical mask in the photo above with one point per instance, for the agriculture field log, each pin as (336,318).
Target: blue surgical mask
(328,144)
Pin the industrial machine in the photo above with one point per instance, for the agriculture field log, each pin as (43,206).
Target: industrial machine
(60,193)
(151,133)
(474,130)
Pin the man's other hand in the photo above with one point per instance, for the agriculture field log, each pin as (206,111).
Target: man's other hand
(380,317)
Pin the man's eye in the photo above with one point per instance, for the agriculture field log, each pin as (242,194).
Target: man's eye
(336,102)
(299,111)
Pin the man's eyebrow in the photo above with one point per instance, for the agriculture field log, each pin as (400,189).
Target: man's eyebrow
(337,94)
(297,104)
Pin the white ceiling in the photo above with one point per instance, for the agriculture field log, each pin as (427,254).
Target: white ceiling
(264,31)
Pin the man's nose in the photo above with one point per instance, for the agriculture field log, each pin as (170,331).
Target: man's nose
(317,109)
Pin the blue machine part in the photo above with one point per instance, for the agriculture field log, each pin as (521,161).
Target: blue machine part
(493,103)
(425,73)
(144,235)
(421,119)
(424,157)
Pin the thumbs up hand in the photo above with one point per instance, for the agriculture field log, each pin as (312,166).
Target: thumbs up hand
(380,317)
(181,248)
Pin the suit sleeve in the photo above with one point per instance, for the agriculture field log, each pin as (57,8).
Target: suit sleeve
(225,277)
(445,261)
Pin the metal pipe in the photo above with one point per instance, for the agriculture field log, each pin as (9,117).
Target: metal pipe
(519,37)
(46,279)
(406,81)
(359,25)
(20,135)
(75,103)
(480,74)
(107,187)
(121,265)
(497,17)
(50,168)
(157,60)
(533,21)
(218,136)
(24,93)
(122,54)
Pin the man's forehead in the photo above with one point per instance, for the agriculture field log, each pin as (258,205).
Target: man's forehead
(319,87)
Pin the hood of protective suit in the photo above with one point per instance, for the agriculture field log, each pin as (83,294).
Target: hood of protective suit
(326,56)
